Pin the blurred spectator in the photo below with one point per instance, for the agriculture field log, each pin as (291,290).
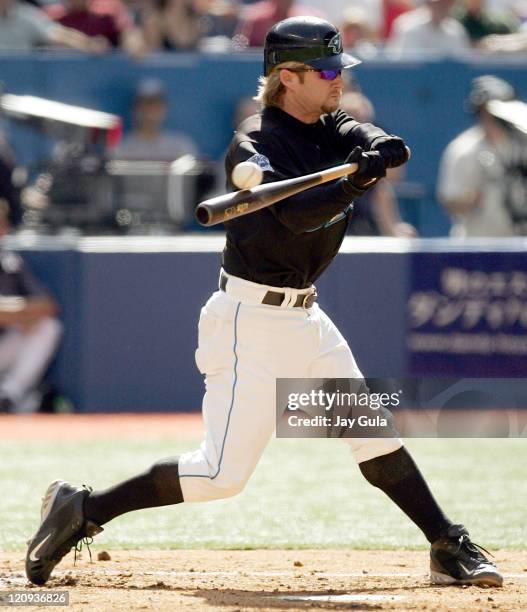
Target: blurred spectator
(356,31)
(506,43)
(29,329)
(378,14)
(258,18)
(219,17)
(376,213)
(148,140)
(479,21)
(138,8)
(371,11)
(429,28)
(483,172)
(217,22)
(111,19)
(117,9)
(76,14)
(23,26)
(333,9)
(173,25)
(391,9)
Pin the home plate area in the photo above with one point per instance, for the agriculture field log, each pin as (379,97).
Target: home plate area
(232,580)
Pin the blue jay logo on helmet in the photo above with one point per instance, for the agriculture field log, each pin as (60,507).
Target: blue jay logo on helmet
(335,44)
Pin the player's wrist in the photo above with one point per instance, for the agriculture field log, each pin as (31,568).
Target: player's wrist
(351,190)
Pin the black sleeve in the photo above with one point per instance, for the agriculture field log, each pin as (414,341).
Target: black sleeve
(351,133)
(306,210)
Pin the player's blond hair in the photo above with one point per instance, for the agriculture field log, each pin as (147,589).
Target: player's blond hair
(271,89)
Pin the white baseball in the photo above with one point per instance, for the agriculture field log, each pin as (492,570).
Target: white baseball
(247,175)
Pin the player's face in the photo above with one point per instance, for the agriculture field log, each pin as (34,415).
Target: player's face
(319,95)
(151,112)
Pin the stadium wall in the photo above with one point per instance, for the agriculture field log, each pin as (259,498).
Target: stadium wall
(131,305)
(420,99)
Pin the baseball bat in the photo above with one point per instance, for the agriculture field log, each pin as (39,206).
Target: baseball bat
(231,205)
(238,203)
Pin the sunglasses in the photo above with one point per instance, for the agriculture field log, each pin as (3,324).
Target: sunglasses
(325,75)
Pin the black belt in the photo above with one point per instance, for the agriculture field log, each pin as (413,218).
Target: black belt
(276,298)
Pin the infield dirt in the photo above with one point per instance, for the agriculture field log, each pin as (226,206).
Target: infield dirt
(263,579)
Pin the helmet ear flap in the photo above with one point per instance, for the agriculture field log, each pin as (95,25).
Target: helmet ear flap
(270,61)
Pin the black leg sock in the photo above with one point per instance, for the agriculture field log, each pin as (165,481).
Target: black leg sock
(399,477)
(159,486)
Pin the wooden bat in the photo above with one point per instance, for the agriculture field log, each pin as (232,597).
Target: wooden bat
(238,203)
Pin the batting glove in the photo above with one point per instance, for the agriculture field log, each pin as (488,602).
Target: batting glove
(371,168)
(392,149)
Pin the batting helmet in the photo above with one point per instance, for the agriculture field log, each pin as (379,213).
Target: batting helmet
(309,40)
(486,88)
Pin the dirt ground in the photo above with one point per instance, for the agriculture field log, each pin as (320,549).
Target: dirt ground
(267,580)
(205,580)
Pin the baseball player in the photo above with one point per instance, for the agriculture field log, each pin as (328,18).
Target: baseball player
(482,178)
(30,330)
(264,322)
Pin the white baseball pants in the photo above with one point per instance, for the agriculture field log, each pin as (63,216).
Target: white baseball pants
(243,347)
(24,356)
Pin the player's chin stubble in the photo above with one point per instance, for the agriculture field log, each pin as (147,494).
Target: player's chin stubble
(331,105)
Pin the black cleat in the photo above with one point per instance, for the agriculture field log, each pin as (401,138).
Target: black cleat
(454,559)
(62,526)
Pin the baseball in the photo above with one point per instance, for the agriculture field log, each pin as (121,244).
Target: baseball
(247,175)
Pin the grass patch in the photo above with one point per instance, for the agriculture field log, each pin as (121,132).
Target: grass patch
(304,494)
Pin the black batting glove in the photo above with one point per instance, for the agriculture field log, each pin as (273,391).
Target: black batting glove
(392,149)
(371,168)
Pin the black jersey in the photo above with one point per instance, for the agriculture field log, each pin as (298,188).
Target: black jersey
(16,279)
(290,243)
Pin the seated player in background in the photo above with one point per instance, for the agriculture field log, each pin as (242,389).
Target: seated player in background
(29,329)
(148,139)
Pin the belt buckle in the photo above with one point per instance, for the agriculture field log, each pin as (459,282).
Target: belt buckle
(309,299)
